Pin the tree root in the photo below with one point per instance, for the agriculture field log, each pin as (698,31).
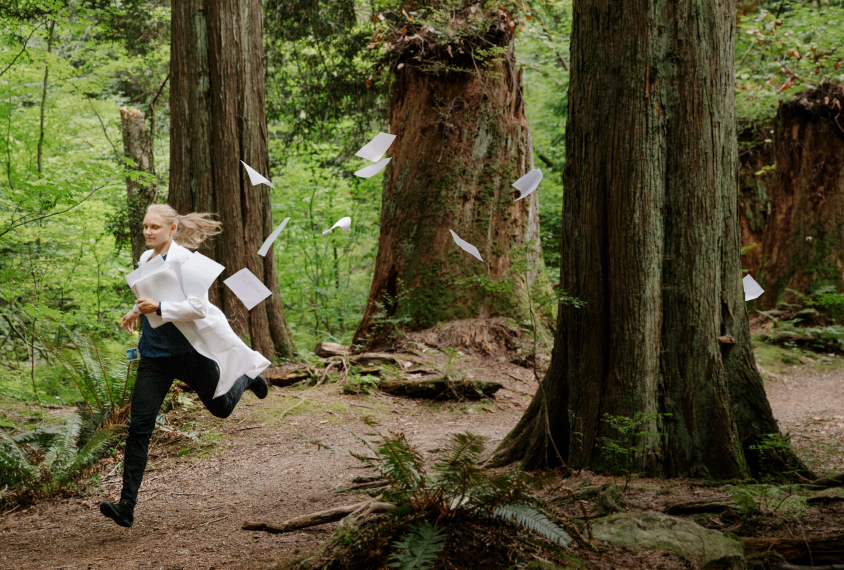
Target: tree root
(359,514)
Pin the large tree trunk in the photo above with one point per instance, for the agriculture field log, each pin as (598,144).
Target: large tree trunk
(136,145)
(651,244)
(462,140)
(804,234)
(218,118)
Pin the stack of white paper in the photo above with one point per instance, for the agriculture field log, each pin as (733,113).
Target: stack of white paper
(248,288)
(752,290)
(269,241)
(528,183)
(466,246)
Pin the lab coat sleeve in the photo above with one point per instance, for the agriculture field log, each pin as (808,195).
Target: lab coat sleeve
(192,308)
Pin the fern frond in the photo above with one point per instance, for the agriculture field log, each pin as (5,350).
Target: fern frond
(462,447)
(15,468)
(400,463)
(85,456)
(419,548)
(63,447)
(533,520)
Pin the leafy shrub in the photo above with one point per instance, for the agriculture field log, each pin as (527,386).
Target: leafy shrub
(47,461)
(457,489)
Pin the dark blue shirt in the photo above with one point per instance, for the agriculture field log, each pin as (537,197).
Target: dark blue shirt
(166,340)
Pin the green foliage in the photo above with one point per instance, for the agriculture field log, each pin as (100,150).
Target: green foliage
(48,461)
(534,521)
(782,47)
(458,486)
(800,324)
(625,444)
(775,456)
(419,548)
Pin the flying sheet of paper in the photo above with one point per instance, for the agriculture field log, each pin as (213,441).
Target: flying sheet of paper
(255,178)
(269,241)
(342,223)
(373,169)
(466,246)
(198,273)
(375,149)
(752,290)
(248,288)
(528,183)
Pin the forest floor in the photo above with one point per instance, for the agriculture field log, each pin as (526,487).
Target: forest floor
(271,461)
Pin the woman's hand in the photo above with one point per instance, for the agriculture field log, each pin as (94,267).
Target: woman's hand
(147,306)
(129,321)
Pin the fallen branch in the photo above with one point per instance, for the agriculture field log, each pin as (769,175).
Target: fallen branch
(695,507)
(290,408)
(326,349)
(827,549)
(369,358)
(322,517)
(826,482)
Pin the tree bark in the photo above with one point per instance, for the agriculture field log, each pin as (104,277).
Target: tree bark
(804,234)
(651,244)
(462,140)
(136,145)
(217,103)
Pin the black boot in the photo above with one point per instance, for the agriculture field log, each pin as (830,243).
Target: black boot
(121,513)
(259,387)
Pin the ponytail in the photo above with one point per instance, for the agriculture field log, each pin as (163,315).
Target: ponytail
(191,229)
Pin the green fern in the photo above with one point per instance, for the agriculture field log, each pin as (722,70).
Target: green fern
(419,548)
(533,520)
(61,461)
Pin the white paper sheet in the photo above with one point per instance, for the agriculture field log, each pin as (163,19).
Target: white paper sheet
(752,290)
(343,223)
(199,273)
(373,169)
(375,149)
(255,178)
(163,286)
(269,241)
(466,246)
(528,183)
(248,288)
(150,267)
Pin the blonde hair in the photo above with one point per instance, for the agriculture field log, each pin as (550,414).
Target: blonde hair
(191,229)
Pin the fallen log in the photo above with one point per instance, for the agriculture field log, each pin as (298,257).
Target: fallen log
(824,500)
(326,349)
(440,389)
(826,482)
(370,358)
(283,379)
(788,566)
(695,507)
(817,550)
(322,517)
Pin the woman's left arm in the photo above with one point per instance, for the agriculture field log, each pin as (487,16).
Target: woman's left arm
(190,309)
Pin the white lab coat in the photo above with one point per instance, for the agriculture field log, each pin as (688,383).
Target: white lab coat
(184,302)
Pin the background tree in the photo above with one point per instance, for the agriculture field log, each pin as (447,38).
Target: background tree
(651,245)
(217,119)
(457,108)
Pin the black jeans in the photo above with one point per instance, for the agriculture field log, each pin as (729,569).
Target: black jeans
(155,376)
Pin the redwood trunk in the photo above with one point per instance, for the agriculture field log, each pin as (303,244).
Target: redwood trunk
(217,119)
(804,234)
(136,145)
(651,243)
(462,140)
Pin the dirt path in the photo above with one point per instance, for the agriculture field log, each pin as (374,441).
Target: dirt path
(190,508)
(255,467)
